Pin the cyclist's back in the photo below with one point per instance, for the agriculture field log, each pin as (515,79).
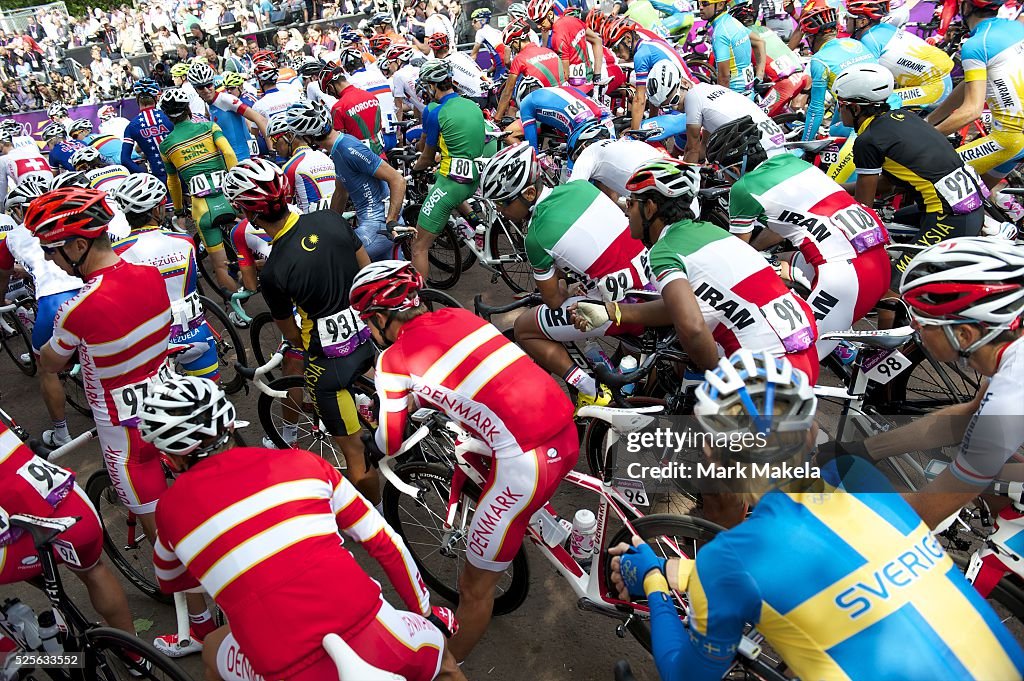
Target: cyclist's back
(373,81)
(312,176)
(561,108)
(61,153)
(109,146)
(826,64)
(227,111)
(358,113)
(147,130)
(613,162)
(919,69)
(538,62)
(467,75)
(21,162)
(251,243)
(730,41)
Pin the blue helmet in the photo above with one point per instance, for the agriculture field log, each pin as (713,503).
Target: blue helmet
(146,86)
(584,135)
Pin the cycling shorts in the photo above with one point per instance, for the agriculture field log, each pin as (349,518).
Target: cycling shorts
(556,324)
(85,539)
(844,290)
(844,170)
(377,245)
(443,197)
(327,382)
(208,213)
(996,154)
(133,466)
(204,365)
(46,312)
(935,228)
(926,95)
(783,92)
(518,485)
(396,641)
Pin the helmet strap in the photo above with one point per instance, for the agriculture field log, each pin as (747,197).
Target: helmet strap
(76,264)
(645,222)
(965,353)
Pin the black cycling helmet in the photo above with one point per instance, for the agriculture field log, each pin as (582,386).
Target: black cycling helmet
(736,143)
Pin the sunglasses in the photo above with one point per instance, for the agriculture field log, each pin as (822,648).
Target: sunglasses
(52,248)
(506,203)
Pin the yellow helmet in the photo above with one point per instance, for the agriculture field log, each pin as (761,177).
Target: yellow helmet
(179,70)
(233,79)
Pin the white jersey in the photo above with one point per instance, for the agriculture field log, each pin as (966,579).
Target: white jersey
(107,178)
(403,85)
(613,162)
(47,277)
(24,141)
(274,101)
(373,80)
(468,77)
(311,174)
(18,164)
(315,94)
(195,103)
(114,126)
(488,37)
(712,106)
(439,23)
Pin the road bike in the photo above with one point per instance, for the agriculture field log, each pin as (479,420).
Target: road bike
(16,338)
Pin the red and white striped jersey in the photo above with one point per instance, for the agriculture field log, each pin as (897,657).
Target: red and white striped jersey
(456,362)
(120,323)
(28,484)
(258,529)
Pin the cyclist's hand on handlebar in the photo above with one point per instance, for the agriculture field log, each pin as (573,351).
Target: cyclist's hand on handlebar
(444,619)
(587,315)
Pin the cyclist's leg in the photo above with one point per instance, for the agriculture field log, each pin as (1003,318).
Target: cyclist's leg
(224,659)
(207,213)
(442,198)
(202,363)
(49,384)
(377,245)
(135,471)
(845,291)
(994,156)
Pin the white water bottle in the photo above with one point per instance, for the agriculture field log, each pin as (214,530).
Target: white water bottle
(49,632)
(626,364)
(23,618)
(581,542)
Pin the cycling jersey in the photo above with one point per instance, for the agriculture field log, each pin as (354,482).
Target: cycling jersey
(371,80)
(251,243)
(744,302)
(921,70)
(730,42)
(354,165)
(780,61)
(455,127)
(403,86)
(568,39)
(357,113)
(826,64)
(266,522)
(874,595)
(613,162)
(275,100)
(147,130)
(107,178)
(488,38)
(467,76)
(18,244)
(311,174)
(19,163)
(108,146)
(538,62)
(315,94)
(61,153)
(114,126)
(650,52)
(227,111)
(712,106)
(561,108)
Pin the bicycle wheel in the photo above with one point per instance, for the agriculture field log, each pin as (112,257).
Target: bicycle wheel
(74,390)
(445,258)
(205,269)
(124,540)
(508,246)
(230,348)
(1006,598)
(436,300)
(112,655)
(18,344)
(264,338)
(421,525)
(928,386)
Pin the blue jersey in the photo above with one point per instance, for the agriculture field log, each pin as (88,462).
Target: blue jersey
(730,41)
(649,53)
(561,108)
(995,54)
(227,112)
(872,596)
(148,129)
(60,154)
(354,165)
(672,124)
(109,146)
(828,63)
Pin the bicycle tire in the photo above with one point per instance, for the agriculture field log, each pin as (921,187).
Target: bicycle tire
(107,646)
(204,273)
(262,332)
(596,429)
(927,386)
(230,348)
(438,477)
(1006,593)
(445,257)
(508,246)
(136,564)
(694,530)
(74,392)
(437,300)
(13,344)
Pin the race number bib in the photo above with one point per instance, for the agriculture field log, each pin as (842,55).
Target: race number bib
(577,74)
(748,74)
(341,333)
(642,264)
(784,66)
(128,399)
(790,323)
(461,170)
(830,155)
(186,314)
(205,184)
(613,286)
(577,111)
(51,481)
(771,131)
(960,191)
(860,227)
(254,147)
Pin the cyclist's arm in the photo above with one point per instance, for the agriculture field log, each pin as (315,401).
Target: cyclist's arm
(358,519)
(596,52)
(551,291)
(969,110)
(693,332)
(174,185)
(6,268)
(816,103)
(942,428)
(948,105)
(246,258)
(431,138)
(127,151)
(225,147)
(396,186)
(942,497)
(694,147)
(639,106)
(171,574)
(54,356)
(340,197)
(528,123)
(760,53)
(393,395)
(506,95)
(722,59)
(280,306)
(258,119)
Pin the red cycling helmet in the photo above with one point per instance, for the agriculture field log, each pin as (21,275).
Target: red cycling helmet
(265,71)
(438,41)
(257,186)
(385,286)
(871,9)
(517,29)
(379,43)
(67,213)
(616,30)
(328,76)
(814,20)
(596,19)
(264,55)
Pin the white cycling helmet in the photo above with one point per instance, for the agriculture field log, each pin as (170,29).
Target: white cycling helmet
(278,124)
(864,84)
(174,102)
(309,119)
(55,130)
(525,86)
(31,187)
(77,178)
(57,110)
(663,84)
(86,154)
(509,172)
(80,125)
(756,393)
(517,10)
(180,414)
(11,126)
(106,112)
(139,193)
(200,73)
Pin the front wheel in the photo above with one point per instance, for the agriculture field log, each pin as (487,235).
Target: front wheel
(113,655)
(18,344)
(441,555)
(230,348)
(445,258)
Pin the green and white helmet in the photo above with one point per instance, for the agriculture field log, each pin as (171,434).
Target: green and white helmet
(435,71)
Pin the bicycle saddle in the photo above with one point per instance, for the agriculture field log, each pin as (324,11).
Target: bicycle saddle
(810,146)
(889,338)
(43,530)
(350,666)
(621,420)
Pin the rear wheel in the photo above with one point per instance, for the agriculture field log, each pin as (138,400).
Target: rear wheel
(265,338)
(508,246)
(445,258)
(74,390)
(17,343)
(115,655)
(230,348)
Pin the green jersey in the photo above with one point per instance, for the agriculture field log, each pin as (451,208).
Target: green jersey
(455,127)
(196,155)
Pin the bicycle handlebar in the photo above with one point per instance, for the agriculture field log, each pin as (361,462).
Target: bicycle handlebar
(614,379)
(256,374)
(482,309)
(235,302)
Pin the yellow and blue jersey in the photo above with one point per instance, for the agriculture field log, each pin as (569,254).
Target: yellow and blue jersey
(843,585)
(995,53)
(730,41)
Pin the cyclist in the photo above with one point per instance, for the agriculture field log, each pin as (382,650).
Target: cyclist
(403,82)
(783,67)
(469,80)
(356,112)
(300,510)
(607,162)
(457,363)
(230,113)
(575,229)
(310,268)
(108,145)
(272,97)
(196,156)
(58,113)
(455,128)
(61,148)
(100,175)
(111,123)
(52,288)
(366,179)
(486,37)
(739,53)
(33,486)
(564,109)
(310,172)
(234,85)
(526,59)
(818,613)
(142,198)
(309,68)
(570,39)
(370,79)
(966,298)
(252,246)
(179,76)
(840,243)
(921,70)
(146,131)
(18,163)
